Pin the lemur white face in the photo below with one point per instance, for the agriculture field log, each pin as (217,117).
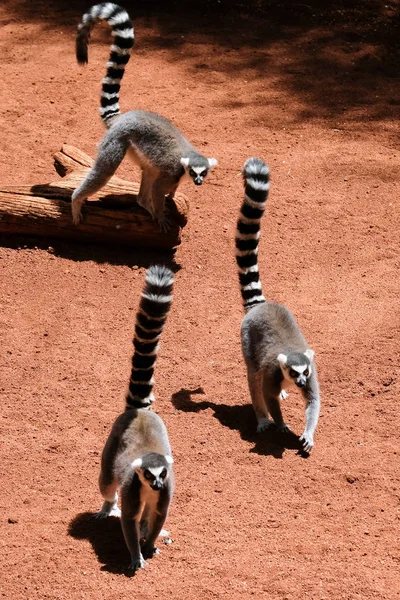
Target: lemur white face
(295,372)
(197,173)
(152,476)
(300,374)
(155,477)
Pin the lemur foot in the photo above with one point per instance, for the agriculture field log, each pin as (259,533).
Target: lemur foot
(108,510)
(263,424)
(283,428)
(149,551)
(138,563)
(76,214)
(307,441)
(283,395)
(102,514)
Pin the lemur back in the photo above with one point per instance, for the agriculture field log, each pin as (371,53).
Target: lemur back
(274,349)
(137,455)
(152,142)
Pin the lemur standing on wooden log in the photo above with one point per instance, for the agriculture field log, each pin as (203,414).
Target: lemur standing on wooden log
(151,141)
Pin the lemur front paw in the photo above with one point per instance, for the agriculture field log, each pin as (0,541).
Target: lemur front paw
(149,551)
(283,428)
(103,514)
(109,509)
(137,563)
(263,424)
(76,215)
(307,441)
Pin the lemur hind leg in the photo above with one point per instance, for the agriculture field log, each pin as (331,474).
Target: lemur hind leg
(108,483)
(255,387)
(110,155)
(145,526)
(162,187)
(274,407)
(154,529)
(131,530)
(110,504)
(144,198)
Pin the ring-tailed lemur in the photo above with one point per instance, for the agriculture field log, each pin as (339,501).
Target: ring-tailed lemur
(137,455)
(274,349)
(152,142)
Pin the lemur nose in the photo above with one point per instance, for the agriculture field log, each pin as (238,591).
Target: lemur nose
(198,181)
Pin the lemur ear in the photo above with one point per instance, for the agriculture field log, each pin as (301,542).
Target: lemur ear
(310,354)
(137,463)
(169,459)
(282,359)
(212,162)
(185,162)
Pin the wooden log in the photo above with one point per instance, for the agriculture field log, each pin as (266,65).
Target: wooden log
(70,159)
(111,217)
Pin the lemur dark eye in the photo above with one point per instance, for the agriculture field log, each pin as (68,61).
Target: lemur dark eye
(204,173)
(306,372)
(164,473)
(293,373)
(147,474)
(192,173)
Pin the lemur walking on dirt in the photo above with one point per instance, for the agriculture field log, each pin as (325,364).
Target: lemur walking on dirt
(274,349)
(151,141)
(137,455)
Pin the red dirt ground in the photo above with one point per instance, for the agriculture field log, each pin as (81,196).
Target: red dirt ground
(313,89)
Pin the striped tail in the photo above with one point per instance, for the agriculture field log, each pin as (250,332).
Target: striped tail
(122,30)
(256,187)
(150,319)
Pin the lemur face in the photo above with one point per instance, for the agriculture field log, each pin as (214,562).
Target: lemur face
(155,477)
(300,374)
(153,469)
(198,172)
(198,175)
(297,366)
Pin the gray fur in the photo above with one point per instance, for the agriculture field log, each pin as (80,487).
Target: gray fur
(151,141)
(272,342)
(137,454)
(136,434)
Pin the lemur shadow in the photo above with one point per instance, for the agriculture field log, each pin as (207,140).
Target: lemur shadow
(271,442)
(107,540)
(100,254)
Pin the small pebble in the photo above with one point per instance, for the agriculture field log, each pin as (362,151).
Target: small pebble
(167,541)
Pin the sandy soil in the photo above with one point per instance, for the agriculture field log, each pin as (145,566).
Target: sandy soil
(314,91)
